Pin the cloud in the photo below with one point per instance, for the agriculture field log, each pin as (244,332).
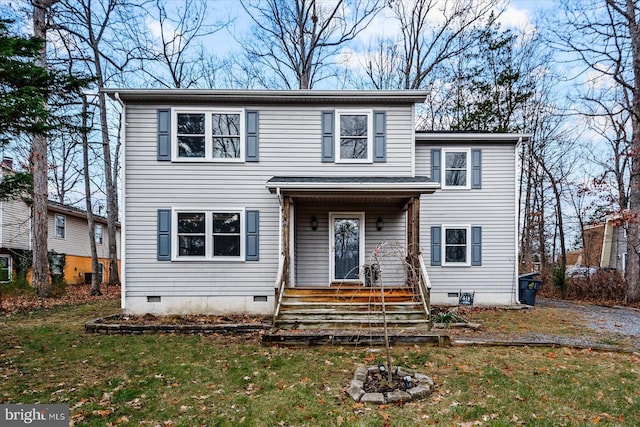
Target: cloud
(517,20)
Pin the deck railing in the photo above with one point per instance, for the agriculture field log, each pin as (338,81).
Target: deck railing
(424,285)
(279,285)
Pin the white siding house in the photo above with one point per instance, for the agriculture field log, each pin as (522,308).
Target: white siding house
(226,191)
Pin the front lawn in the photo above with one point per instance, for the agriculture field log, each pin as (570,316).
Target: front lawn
(46,357)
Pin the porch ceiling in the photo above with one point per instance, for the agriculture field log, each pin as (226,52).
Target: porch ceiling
(353,201)
(365,190)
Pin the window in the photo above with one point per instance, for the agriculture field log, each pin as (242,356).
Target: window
(456,245)
(209,135)
(100,272)
(57,261)
(353,142)
(209,234)
(5,268)
(99,233)
(456,168)
(61,225)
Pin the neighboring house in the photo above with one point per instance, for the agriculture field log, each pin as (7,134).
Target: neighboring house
(228,192)
(68,239)
(604,246)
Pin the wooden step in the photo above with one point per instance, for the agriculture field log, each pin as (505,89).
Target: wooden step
(348,315)
(421,324)
(357,307)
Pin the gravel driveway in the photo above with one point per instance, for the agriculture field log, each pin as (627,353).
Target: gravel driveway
(606,328)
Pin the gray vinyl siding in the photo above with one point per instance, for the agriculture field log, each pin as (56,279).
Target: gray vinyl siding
(312,247)
(16,224)
(492,208)
(289,144)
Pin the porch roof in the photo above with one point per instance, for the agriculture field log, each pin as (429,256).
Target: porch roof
(400,186)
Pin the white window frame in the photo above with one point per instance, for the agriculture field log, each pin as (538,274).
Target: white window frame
(369,114)
(55,226)
(101,235)
(208,138)
(9,266)
(208,230)
(443,162)
(467,262)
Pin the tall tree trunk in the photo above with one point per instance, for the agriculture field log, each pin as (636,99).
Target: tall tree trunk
(39,169)
(633,250)
(95,284)
(110,176)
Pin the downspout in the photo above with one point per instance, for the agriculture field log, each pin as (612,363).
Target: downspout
(516,285)
(279,221)
(123,228)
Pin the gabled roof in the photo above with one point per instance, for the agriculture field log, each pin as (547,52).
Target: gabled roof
(269,96)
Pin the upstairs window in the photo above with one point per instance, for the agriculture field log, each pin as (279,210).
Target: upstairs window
(61,226)
(354,139)
(209,135)
(456,168)
(226,135)
(99,232)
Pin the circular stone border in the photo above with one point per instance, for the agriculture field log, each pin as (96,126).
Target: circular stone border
(423,386)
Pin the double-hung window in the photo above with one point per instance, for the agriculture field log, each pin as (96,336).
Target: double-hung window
(99,232)
(456,245)
(354,136)
(456,168)
(60,226)
(209,234)
(209,135)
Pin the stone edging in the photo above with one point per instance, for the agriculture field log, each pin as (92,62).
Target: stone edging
(103,326)
(422,386)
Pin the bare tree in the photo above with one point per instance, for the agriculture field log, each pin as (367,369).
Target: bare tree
(93,26)
(39,169)
(431,33)
(177,57)
(604,37)
(297,41)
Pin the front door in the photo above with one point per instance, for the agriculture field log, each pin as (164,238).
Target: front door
(347,245)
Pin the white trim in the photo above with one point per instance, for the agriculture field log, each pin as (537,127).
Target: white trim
(515,297)
(292,253)
(123,228)
(208,138)
(332,215)
(355,112)
(413,139)
(208,230)
(443,168)
(444,228)
(475,136)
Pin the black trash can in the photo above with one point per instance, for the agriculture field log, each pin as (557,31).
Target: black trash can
(528,288)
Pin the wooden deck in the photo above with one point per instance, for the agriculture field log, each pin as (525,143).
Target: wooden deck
(349,307)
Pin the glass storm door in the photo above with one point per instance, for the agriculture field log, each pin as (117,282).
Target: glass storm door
(347,244)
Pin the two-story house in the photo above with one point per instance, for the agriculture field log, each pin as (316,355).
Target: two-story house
(228,192)
(68,241)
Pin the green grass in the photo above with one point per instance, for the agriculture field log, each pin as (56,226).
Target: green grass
(46,357)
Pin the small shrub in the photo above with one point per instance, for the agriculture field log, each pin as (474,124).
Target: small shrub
(559,279)
(447,317)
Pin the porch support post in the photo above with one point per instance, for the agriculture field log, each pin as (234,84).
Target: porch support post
(413,241)
(286,233)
